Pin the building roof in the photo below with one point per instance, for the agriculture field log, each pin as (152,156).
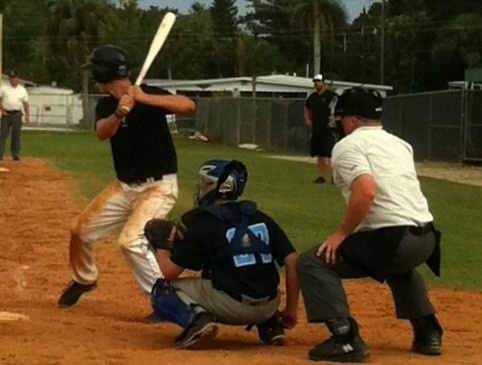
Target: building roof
(270,83)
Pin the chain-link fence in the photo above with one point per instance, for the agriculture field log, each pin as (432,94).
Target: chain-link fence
(443,125)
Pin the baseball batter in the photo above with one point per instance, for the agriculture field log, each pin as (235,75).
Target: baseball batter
(145,164)
(386,232)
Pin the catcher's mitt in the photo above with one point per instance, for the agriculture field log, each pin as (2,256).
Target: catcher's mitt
(159,233)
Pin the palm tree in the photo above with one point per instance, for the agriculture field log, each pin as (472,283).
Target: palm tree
(321,17)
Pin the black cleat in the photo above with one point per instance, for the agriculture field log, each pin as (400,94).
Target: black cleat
(320,180)
(201,327)
(73,292)
(271,332)
(427,336)
(332,350)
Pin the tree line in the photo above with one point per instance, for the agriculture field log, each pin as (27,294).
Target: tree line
(413,45)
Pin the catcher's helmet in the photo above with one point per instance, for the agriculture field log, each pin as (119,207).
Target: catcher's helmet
(220,179)
(361,102)
(108,63)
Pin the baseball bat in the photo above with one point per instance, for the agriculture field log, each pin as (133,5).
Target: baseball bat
(156,45)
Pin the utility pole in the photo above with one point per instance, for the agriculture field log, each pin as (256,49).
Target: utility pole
(382,44)
(1,47)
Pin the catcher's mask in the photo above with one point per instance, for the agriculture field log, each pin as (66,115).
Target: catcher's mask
(220,179)
(108,63)
(360,102)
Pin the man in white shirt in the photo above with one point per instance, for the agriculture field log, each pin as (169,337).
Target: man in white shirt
(13,99)
(386,232)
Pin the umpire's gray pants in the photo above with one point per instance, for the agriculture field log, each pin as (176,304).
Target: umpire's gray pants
(224,309)
(13,122)
(325,298)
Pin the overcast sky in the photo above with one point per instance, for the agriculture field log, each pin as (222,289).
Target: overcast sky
(354,7)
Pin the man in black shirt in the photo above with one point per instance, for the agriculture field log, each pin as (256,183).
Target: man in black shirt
(134,120)
(317,115)
(235,246)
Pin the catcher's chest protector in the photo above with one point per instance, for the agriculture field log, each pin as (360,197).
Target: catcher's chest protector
(247,244)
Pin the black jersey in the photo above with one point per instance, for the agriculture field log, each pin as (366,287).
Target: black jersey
(204,248)
(142,146)
(320,111)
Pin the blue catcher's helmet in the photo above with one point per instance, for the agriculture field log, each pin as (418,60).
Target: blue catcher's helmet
(220,179)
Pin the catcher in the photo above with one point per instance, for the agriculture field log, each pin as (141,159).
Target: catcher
(235,246)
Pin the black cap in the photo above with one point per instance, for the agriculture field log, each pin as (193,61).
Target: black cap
(361,102)
(13,73)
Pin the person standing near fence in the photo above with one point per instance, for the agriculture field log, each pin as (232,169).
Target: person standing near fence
(133,118)
(14,99)
(317,118)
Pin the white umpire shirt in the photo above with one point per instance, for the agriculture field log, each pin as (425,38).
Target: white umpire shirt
(389,159)
(13,97)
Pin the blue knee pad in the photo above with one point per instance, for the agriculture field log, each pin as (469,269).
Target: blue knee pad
(166,304)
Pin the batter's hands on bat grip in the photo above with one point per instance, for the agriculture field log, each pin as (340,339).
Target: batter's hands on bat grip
(330,246)
(126,103)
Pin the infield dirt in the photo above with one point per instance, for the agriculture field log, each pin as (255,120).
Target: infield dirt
(107,327)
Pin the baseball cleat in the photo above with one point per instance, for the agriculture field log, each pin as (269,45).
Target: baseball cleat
(271,332)
(73,292)
(333,350)
(202,327)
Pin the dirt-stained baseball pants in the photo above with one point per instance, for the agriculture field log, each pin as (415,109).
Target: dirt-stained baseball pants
(122,210)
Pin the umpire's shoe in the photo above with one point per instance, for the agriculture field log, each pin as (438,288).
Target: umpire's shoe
(271,332)
(73,292)
(427,336)
(201,327)
(345,345)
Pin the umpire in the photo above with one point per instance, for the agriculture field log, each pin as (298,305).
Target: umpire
(386,232)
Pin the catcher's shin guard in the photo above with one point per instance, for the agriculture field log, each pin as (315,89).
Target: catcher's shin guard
(167,305)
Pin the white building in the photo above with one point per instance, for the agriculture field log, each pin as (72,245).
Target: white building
(263,86)
(54,106)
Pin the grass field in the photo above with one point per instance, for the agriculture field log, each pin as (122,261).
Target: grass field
(284,189)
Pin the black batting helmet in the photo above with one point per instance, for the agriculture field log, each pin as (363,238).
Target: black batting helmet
(108,63)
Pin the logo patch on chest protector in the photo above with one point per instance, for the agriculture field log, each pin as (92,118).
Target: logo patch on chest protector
(246,242)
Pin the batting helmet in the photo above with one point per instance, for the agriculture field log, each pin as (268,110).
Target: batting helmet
(361,102)
(108,63)
(220,179)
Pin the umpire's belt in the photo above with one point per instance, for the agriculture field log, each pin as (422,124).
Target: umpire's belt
(13,111)
(421,231)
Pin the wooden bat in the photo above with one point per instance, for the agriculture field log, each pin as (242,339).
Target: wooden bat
(156,45)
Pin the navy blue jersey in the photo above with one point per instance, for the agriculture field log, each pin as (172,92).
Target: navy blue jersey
(206,247)
(142,146)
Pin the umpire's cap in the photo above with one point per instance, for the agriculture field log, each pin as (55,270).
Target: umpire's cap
(360,102)
(108,63)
